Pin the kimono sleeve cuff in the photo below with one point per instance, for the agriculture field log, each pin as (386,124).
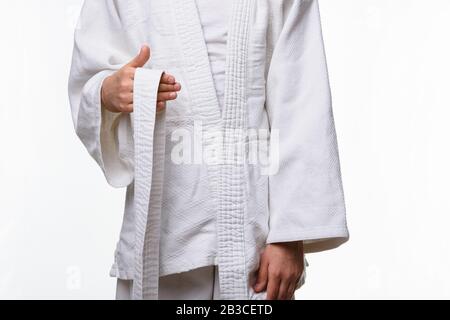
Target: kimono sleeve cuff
(319,227)
(314,239)
(108,136)
(97,129)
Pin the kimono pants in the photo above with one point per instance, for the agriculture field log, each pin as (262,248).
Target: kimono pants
(197,284)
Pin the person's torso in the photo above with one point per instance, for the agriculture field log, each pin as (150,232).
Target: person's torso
(194,49)
(188,238)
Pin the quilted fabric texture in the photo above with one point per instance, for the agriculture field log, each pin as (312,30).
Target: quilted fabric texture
(276,81)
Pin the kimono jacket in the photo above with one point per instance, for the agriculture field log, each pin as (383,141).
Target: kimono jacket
(277,95)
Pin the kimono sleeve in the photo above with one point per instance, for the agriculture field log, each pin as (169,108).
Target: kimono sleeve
(103,45)
(306,199)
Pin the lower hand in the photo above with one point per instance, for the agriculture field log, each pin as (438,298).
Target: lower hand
(280,269)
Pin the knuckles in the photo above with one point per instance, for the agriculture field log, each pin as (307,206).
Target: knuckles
(276,274)
(124,84)
(289,274)
(123,96)
(123,107)
(283,296)
(129,72)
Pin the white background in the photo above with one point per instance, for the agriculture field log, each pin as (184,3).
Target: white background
(389,67)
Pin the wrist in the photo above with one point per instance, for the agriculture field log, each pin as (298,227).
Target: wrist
(292,245)
(103,93)
(301,248)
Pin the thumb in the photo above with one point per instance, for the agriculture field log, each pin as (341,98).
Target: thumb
(141,59)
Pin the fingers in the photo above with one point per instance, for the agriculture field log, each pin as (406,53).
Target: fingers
(125,102)
(128,108)
(291,290)
(261,281)
(161,105)
(283,292)
(273,287)
(167,96)
(125,87)
(169,87)
(280,287)
(141,59)
(167,90)
(280,272)
(167,79)
(117,90)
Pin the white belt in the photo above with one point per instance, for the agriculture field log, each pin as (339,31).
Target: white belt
(149,148)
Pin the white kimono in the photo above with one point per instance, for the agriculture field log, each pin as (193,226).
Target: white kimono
(276,95)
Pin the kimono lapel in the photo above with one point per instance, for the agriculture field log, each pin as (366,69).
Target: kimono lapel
(226,176)
(195,55)
(233,195)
